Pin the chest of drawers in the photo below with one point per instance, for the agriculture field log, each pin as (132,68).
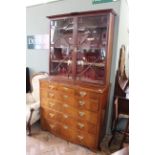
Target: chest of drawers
(73,112)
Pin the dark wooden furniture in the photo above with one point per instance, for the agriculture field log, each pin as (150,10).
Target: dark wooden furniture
(121,81)
(74,98)
(121,101)
(121,121)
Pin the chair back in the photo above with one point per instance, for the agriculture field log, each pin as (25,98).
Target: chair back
(121,106)
(36,85)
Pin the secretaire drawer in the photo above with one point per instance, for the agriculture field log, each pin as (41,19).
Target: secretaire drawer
(65,89)
(45,93)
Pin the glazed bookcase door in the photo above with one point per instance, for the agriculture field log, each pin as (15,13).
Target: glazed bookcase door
(61,47)
(92,47)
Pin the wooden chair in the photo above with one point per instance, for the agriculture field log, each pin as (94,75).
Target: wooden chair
(33,102)
(121,122)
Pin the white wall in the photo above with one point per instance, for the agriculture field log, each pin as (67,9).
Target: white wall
(122,39)
(37,23)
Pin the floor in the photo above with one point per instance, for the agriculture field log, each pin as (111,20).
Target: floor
(44,143)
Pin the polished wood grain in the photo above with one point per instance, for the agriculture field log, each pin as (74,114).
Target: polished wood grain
(67,132)
(75,123)
(72,112)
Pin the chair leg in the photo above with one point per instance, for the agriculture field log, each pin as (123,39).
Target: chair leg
(113,136)
(29,130)
(28,125)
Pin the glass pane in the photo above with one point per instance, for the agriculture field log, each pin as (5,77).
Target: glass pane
(92,41)
(61,61)
(62,33)
(61,47)
(91,74)
(90,65)
(92,31)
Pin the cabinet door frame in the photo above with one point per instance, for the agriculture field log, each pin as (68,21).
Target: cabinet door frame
(110,13)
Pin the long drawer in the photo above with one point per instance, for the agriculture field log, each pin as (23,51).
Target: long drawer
(78,97)
(68,120)
(65,108)
(68,133)
(52,86)
(91,104)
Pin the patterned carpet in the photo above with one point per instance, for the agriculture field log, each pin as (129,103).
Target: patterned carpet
(44,143)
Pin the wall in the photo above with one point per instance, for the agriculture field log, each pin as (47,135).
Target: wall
(123,39)
(37,23)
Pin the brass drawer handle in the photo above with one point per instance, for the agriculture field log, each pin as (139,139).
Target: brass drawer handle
(51,104)
(51,115)
(81,103)
(51,95)
(52,126)
(81,125)
(65,88)
(100,90)
(83,93)
(81,114)
(65,105)
(80,137)
(65,96)
(65,116)
(65,127)
(51,87)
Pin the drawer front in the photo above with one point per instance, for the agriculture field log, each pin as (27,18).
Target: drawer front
(45,93)
(94,96)
(82,93)
(66,119)
(53,86)
(50,114)
(86,139)
(67,98)
(65,89)
(85,94)
(89,116)
(89,104)
(78,124)
(78,137)
(53,126)
(65,131)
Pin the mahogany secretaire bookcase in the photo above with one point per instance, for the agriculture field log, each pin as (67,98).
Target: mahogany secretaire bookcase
(74,97)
